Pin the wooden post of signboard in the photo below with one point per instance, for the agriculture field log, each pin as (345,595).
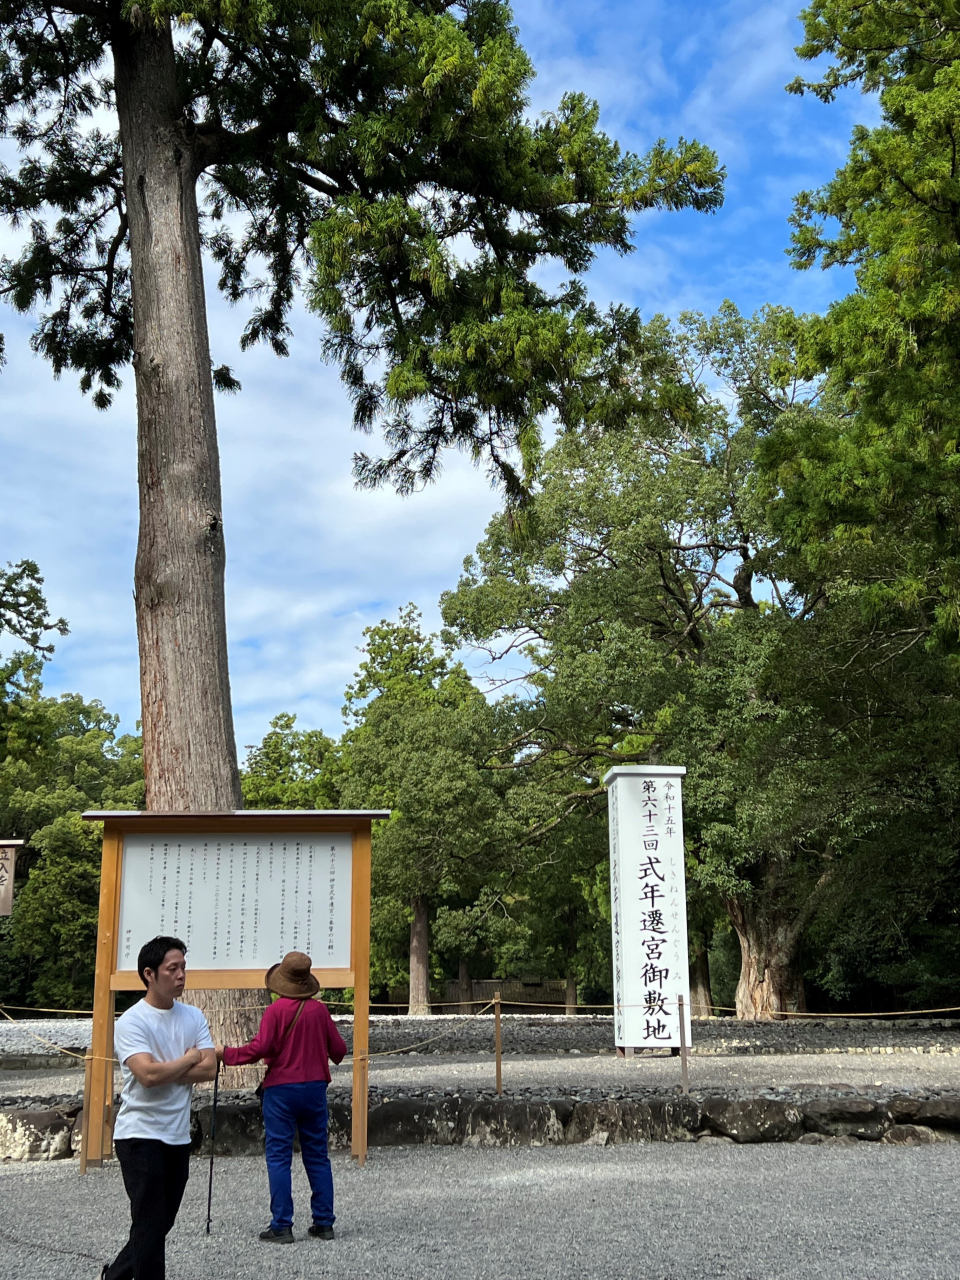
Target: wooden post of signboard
(189,830)
(98,1079)
(360,961)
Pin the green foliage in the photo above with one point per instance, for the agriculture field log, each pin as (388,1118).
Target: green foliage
(664,618)
(880,473)
(377,151)
(290,769)
(58,757)
(23,606)
(423,744)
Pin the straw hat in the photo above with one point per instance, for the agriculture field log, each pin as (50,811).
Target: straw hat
(292,977)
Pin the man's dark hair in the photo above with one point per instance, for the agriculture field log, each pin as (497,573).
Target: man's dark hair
(152,954)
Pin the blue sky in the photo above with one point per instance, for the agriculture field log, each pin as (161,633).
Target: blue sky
(311,560)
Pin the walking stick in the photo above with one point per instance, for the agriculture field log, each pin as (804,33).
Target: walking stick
(213,1139)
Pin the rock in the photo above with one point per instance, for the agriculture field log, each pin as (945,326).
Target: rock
(676,1120)
(901,1109)
(509,1124)
(846,1117)
(563,1109)
(596,1124)
(35,1135)
(753,1119)
(339,1126)
(239,1129)
(941,1113)
(909,1135)
(76,1133)
(402,1121)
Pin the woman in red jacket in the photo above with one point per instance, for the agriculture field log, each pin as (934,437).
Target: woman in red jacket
(296,1039)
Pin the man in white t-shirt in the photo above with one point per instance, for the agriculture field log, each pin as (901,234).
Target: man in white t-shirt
(164,1048)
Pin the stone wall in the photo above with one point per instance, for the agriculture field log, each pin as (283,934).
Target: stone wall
(836,1117)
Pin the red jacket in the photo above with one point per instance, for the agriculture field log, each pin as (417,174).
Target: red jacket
(299,1057)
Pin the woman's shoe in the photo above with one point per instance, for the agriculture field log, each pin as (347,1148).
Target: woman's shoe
(320,1233)
(277,1237)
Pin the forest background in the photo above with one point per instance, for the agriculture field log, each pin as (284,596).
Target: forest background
(752,572)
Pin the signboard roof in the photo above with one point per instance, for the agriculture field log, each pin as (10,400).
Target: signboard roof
(647,770)
(237,821)
(249,816)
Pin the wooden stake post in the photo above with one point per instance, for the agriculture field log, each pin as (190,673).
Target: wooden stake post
(684,1074)
(98,1079)
(497,1043)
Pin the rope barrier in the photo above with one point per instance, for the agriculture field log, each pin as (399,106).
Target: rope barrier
(84,1057)
(521,1004)
(28,1008)
(389,1053)
(890,1013)
(386,1053)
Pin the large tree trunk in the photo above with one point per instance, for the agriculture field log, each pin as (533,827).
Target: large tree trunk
(466,986)
(771,984)
(189,750)
(701,999)
(571,994)
(419,958)
(234,1017)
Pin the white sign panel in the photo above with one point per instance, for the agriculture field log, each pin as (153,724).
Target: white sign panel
(648,905)
(8,858)
(238,901)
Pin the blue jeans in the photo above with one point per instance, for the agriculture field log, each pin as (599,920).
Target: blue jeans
(286,1108)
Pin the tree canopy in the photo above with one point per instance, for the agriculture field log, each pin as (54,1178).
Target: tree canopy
(377,155)
(881,472)
(664,619)
(58,757)
(739,552)
(24,615)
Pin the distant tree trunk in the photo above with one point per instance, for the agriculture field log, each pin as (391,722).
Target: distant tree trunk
(466,986)
(571,994)
(419,958)
(771,984)
(701,999)
(189,750)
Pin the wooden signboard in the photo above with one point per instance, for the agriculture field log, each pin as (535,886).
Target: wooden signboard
(8,861)
(241,889)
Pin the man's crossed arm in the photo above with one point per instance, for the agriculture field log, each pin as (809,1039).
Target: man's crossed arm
(195,1067)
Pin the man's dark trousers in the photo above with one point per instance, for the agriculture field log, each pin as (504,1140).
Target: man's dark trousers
(155,1175)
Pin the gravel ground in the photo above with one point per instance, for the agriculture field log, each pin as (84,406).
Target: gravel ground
(593,1075)
(652,1212)
(550,1034)
(612,1074)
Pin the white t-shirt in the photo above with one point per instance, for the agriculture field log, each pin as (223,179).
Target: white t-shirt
(162,1112)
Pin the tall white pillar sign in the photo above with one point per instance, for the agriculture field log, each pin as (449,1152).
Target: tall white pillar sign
(648,905)
(8,859)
